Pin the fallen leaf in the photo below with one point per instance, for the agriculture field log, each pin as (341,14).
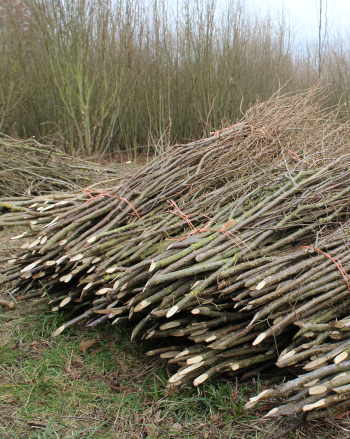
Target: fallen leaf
(73,367)
(73,373)
(86,344)
(77,362)
(123,366)
(115,386)
(152,431)
(215,419)
(8,399)
(38,346)
(234,395)
(6,304)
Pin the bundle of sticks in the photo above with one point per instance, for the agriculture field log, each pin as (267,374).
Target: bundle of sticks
(229,265)
(29,168)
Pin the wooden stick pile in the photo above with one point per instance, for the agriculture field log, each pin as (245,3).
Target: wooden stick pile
(29,168)
(226,274)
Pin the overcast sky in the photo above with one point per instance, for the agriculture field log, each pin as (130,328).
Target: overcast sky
(304,14)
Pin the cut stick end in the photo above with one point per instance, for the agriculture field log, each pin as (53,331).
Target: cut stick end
(67,278)
(142,305)
(65,302)
(211,338)
(339,376)
(260,285)
(174,378)
(249,405)
(252,402)
(314,364)
(317,390)
(200,379)
(315,405)
(58,331)
(22,235)
(30,266)
(341,357)
(77,257)
(286,355)
(182,353)
(194,360)
(255,399)
(103,291)
(259,339)
(312,383)
(190,368)
(88,286)
(150,335)
(173,310)
(272,413)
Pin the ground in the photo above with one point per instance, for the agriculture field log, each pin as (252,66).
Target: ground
(96,384)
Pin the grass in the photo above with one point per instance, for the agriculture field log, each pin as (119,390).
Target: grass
(96,384)
(50,386)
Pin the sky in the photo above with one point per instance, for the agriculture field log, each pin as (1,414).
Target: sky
(304,14)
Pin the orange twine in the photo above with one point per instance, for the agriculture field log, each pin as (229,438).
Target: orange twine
(97,193)
(177,211)
(335,261)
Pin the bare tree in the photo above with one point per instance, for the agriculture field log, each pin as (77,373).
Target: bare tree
(14,10)
(322,33)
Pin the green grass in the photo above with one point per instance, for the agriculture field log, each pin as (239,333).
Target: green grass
(49,388)
(101,393)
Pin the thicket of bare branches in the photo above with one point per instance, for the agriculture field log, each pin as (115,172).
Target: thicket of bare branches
(99,76)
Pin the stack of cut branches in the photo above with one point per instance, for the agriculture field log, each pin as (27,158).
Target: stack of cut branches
(232,265)
(37,211)
(29,168)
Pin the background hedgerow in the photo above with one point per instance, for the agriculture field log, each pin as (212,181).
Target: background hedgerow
(97,76)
